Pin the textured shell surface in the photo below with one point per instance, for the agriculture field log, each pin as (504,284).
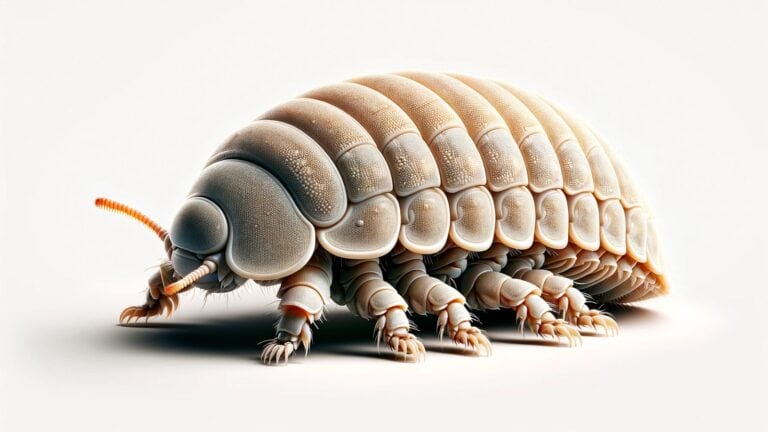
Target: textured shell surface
(430,161)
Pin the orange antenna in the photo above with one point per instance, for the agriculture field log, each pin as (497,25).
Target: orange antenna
(206,268)
(108,204)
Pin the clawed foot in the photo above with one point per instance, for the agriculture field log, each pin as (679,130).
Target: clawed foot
(165,304)
(546,325)
(464,333)
(595,319)
(541,320)
(558,329)
(285,345)
(277,351)
(399,340)
(573,306)
(472,338)
(408,345)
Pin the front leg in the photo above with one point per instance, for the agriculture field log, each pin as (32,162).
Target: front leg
(157,301)
(303,297)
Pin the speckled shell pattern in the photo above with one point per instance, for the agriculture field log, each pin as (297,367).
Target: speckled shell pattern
(427,162)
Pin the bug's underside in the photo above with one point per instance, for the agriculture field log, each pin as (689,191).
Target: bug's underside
(423,192)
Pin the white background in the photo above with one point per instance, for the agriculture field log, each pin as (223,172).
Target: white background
(127,99)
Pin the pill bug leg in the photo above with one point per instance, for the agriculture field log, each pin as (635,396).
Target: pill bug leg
(428,295)
(157,301)
(303,297)
(560,291)
(362,289)
(486,288)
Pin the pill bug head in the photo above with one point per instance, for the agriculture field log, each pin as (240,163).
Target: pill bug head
(198,237)
(238,223)
(195,245)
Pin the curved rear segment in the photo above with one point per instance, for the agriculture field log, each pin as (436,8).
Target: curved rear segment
(626,226)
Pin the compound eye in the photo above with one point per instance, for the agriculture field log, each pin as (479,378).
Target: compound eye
(200,227)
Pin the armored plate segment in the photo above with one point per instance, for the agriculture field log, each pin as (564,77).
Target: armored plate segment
(584,224)
(460,163)
(415,174)
(269,238)
(545,178)
(540,159)
(302,166)
(607,190)
(359,162)
(503,162)
(632,200)
(457,157)
(368,230)
(577,177)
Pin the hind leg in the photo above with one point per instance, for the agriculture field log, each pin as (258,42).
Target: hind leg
(428,295)
(157,301)
(303,297)
(560,291)
(363,290)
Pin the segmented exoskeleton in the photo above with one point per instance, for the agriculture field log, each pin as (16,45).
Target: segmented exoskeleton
(414,191)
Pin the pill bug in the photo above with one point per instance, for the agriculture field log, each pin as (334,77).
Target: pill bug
(420,192)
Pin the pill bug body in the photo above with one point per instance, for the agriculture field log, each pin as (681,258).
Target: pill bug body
(421,191)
